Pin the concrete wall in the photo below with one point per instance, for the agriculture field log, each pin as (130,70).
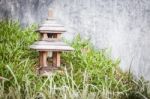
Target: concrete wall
(121,25)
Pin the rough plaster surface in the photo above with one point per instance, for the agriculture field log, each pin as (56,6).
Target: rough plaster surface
(120,25)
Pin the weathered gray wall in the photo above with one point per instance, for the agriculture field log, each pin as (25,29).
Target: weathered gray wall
(122,25)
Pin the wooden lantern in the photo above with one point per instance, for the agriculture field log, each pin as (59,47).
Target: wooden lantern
(50,40)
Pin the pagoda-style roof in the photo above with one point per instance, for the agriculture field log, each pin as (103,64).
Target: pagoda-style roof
(51,46)
(51,26)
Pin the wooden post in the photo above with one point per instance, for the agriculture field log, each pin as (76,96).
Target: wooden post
(40,58)
(57,36)
(56,59)
(44,36)
(43,58)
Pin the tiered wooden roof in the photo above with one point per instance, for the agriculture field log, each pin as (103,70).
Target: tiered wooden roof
(51,46)
(51,26)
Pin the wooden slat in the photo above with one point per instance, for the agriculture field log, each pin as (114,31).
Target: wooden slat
(49,31)
(59,43)
(48,28)
(51,48)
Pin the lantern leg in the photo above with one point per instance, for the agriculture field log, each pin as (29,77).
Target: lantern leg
(43,58)
(42,62)
(40,59)
(56,59)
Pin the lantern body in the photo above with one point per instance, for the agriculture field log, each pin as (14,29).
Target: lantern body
(50,42)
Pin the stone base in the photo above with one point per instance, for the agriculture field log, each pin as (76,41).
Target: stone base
(49,70)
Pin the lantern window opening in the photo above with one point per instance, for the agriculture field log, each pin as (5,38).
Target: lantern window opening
(52,35)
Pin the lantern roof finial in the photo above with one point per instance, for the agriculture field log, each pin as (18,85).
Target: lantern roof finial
(50,13)
(51,25)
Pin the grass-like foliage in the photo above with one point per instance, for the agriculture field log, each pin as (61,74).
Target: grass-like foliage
(88,73)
